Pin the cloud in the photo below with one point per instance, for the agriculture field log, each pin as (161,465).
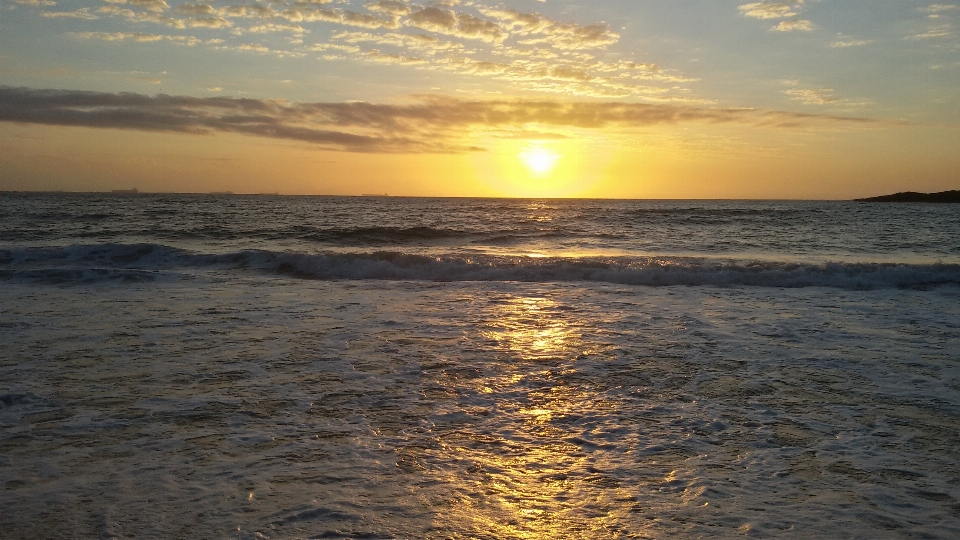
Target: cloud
(408,41)
(794,25)
(770,10)
(352,18)
(938,32)
(156,6)
(196,9)
(334,47)
(253,11)
(819,96)
(82,13)
(183,114)
(473,27)
(451,23)
(553,33)
(778,10)
(138,37)
(390,7)
(255,47)
(813,96)
(575,74)
(842,44)
(207,22)
(348,18)
(455,114)
(433,124)
(934,10)
(35,2)
(120,12)
(377,56)
(271,27)
(527,51)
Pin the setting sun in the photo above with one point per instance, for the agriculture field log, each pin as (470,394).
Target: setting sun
(540,161)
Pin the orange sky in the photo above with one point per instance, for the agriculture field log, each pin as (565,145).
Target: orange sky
(695,99)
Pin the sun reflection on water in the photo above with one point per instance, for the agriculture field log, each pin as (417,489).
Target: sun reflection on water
(525,473)
(531,329)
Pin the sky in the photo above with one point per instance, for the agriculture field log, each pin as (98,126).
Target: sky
(683,99)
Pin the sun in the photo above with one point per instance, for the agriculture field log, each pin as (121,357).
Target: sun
(541,161)
(541,168)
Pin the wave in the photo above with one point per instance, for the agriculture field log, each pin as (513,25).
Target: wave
(357,236)
(334,237)
(145,262)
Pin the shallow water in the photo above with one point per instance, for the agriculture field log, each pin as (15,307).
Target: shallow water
(271,408)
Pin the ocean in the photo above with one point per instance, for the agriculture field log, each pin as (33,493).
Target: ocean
(272,367)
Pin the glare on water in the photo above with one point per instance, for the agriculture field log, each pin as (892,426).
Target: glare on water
(529,328)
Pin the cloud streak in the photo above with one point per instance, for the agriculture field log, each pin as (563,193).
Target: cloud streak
(778,10)
(433,124)
(770,10)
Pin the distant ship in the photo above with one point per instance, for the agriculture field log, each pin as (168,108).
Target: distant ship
(134,190)
(374,195)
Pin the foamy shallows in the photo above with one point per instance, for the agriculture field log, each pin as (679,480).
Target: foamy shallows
(260,367)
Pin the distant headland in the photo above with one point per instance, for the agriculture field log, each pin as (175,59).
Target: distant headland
(952,196)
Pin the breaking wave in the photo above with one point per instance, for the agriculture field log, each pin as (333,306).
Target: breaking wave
(145,262)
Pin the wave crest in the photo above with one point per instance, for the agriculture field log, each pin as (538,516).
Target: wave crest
(139,262)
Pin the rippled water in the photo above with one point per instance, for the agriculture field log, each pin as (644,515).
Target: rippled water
(766,230)
(225,387)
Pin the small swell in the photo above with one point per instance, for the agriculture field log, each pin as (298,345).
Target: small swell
(144,262)
(380,235)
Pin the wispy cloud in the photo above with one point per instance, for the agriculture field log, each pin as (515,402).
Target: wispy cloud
(140,37)
(547,31)
(778,10)
(149,5)
(432,124)
(937,32)
(794,25)
(933,11)
(846,43)
(390,7)
(819,96)
(450,23)
(523,50)
(941,16)
(82,13)
(422,42)
(35,2)
(273,27)
(770,10)
(813,96)
(344,17)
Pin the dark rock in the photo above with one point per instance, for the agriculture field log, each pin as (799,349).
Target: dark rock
(952,196)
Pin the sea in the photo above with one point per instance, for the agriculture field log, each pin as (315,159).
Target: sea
(280,367)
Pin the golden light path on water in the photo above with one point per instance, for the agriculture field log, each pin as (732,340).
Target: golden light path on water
(531,478)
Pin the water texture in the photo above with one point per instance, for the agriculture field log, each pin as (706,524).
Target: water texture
(412,385)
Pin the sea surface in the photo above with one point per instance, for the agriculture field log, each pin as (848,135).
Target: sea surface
(260,367)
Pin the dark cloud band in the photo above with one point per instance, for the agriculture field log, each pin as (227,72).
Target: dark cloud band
(431,125)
